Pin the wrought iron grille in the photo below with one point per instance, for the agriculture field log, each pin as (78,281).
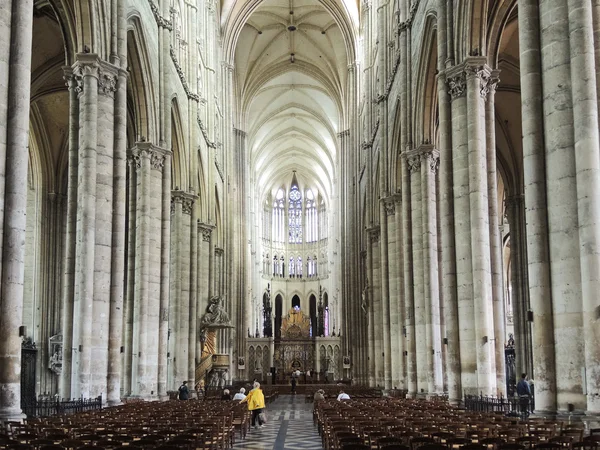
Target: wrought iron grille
(44,407)
(510,406)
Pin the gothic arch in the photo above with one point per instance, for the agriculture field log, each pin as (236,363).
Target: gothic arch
(501,12)
(470,28)
(235,21)
(140,96)
(426,82)
(179,167)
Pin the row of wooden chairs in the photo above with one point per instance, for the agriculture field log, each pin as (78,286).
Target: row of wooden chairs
(211,425)
(415,423)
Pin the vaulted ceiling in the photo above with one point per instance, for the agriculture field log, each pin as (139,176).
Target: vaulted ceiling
(290,70)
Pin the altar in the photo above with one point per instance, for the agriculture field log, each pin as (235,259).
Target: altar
(318,359)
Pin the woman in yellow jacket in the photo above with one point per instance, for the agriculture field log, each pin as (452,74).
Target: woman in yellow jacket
(256,404)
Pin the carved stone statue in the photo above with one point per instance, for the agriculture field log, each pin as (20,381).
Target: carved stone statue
(215,313)
(365,298)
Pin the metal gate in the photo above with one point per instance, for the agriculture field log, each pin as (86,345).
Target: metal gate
(28,370)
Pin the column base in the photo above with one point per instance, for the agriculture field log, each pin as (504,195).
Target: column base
(115,402)
(543,414)
(11,415)
(591,420)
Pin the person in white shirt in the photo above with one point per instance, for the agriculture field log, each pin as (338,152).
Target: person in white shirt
(240,395)
(343,396)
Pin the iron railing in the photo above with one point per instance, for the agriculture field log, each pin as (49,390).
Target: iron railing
(510,406)
(44,407)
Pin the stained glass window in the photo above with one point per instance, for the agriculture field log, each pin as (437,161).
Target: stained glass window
(295,216)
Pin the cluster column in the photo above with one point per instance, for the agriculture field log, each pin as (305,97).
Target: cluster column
(389,206)
(145,254)
(429,167)
(179,308)
(15,84)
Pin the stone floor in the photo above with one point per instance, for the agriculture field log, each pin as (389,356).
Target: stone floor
(289,427)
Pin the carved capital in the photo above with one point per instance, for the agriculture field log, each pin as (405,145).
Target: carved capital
(107,84)
(491,85)
(457,85)
(414,163)
(206,230)
(430,158)
(389,205)
(374,233)
(186,200)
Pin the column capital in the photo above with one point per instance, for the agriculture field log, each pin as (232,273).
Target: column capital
(206,230)
(491,85)
(90,65)
(186,199)
(424,154)
(239,132)
(430,157)
(472,67)
(513,201)
(219,251)
(389,205)
(373,233)
(343,134)
(456,82)
(156,154)
(476,68)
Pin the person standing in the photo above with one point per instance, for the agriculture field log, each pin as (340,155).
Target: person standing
(524,393)
(256,404)
(294,382)
(184,391)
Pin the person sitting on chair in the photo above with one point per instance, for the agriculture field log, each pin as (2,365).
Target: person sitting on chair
(240,395)
(343,396)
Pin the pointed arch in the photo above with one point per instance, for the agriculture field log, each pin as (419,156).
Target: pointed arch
(426,82)
(179,167)
(140,95)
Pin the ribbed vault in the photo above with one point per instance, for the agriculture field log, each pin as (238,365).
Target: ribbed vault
(291,61)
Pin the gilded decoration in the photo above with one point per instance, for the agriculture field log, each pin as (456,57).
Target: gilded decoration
(295,325)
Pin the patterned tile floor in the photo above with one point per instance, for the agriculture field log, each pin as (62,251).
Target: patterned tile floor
(289,427)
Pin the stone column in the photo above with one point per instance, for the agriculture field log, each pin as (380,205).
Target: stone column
(193,358)
(205,231)
(429,165)
(129,375)
(103,221)
(534,168)
(14,172)
(389,205)
(587,166)
(409,317)
(448,263)
(514,207)
(118,244)
(477,78)
(141,155)
(400,299)
(420,311)
(561,187)
(372,357)
(457,87)
(180,296)
(165,261)
(86,70)
(495,238)
(385,297)
(71,226)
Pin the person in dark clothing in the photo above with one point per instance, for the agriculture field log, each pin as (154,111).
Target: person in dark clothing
(524,393)
(184,392)
(226,395)
(294,382)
